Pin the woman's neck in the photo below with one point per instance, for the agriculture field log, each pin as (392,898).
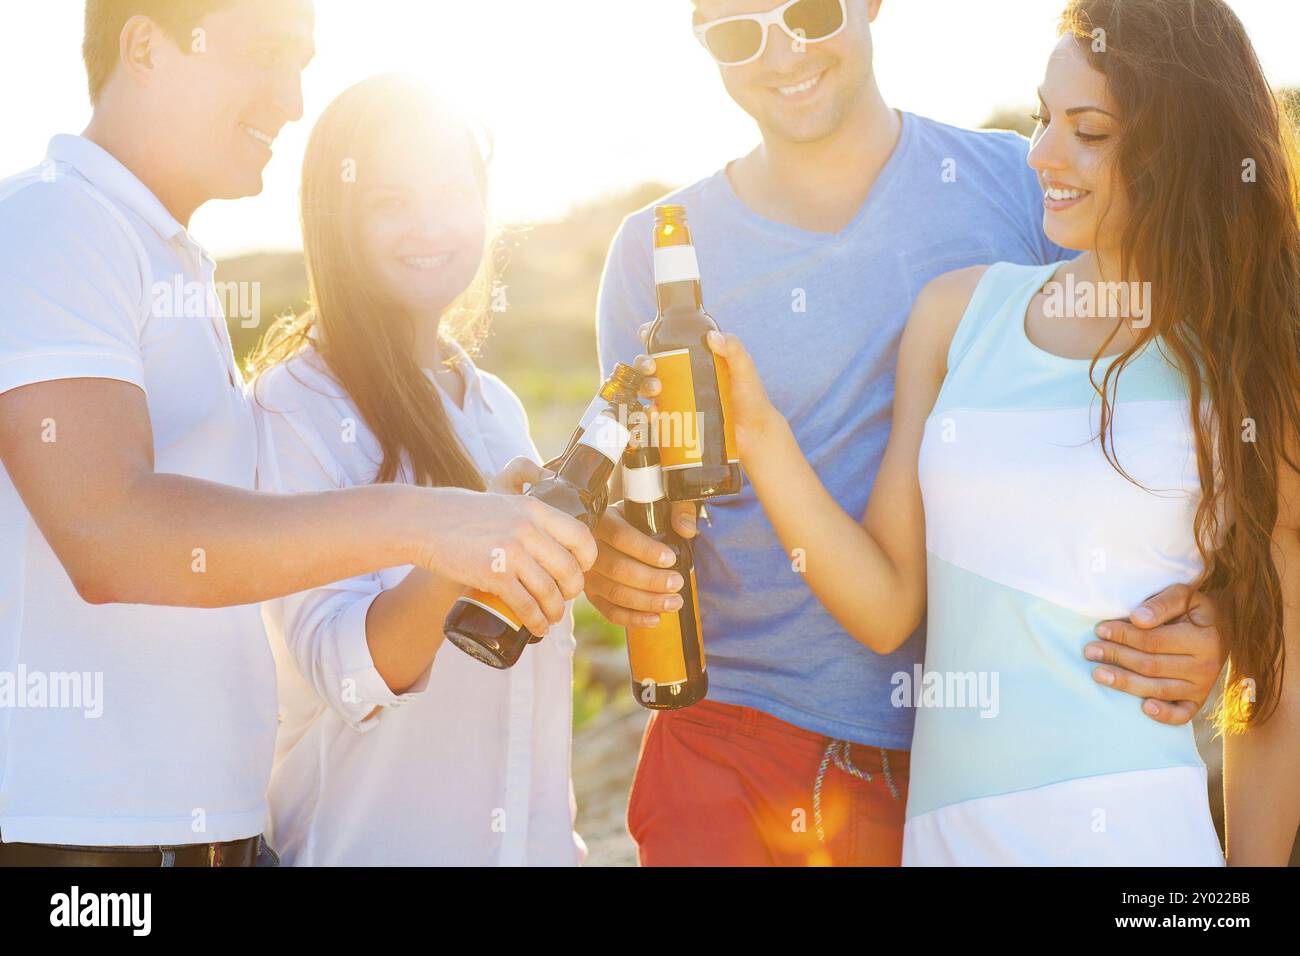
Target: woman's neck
(1102,265)
(429,350)
(432,354)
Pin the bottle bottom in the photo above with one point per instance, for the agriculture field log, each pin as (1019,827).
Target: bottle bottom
(484,637)
(654,696)
(695,484)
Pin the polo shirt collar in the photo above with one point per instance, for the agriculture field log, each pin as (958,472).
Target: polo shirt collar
(110,177)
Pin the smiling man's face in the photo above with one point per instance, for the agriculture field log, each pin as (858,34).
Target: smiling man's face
(226,98)
(800,92)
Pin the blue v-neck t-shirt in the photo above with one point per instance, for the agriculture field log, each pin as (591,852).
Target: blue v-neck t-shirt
(822,315)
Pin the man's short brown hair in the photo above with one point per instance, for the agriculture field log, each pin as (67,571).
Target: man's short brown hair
(106,18)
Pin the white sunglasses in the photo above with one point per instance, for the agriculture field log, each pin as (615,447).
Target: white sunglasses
(735,41)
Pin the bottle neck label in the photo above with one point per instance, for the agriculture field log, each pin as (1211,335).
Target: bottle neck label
(608,436)
(676,264)
(598,405)
(643,485)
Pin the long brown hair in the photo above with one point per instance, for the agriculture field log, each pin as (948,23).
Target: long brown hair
(1207,162)
(368,343)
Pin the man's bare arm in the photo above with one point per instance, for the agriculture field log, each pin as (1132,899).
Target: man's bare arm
(128,535)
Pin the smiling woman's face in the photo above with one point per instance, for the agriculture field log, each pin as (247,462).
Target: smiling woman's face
(1073,152)
(423,220)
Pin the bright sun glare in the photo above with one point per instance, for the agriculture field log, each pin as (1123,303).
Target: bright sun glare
(575,92)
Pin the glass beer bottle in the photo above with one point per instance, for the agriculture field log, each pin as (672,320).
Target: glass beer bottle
(480,623)
(667,660)
(619,390)
(695,437)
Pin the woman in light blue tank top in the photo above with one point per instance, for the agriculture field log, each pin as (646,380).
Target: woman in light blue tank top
(1046,471)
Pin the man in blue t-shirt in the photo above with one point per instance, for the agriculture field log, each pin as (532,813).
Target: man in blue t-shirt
(813,248)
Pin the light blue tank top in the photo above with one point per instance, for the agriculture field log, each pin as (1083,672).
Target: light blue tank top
(1032,538)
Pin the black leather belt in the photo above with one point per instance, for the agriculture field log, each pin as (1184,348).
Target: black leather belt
(232,853)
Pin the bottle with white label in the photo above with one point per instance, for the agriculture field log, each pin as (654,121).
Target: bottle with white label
(667,660)
(692,426)
(480,623)
(617,391)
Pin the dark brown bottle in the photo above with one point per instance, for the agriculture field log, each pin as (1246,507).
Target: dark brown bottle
(666,661)
(693,428)
(480,623)
(619,391)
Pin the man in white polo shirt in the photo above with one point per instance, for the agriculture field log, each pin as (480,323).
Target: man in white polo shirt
(137,689)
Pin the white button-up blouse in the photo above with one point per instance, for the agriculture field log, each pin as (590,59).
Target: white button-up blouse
(469,767)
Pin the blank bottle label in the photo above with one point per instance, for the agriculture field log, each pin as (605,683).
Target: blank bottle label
(676,264)
(656,653)
(679,426)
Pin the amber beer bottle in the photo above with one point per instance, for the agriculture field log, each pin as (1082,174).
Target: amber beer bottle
(619,390)
(481,624)
(667,661)
(696,439)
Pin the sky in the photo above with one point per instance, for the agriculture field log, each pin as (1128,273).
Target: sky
(575,92)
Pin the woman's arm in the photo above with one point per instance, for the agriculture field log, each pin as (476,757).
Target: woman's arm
(404,623)
(1261,768)
(869,575)
(361,646)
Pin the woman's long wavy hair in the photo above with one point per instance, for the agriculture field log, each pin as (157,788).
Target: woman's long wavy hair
(366,341)
(1207,161)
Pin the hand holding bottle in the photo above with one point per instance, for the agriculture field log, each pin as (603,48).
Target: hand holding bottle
(752,413)
(525,552)
(516,475)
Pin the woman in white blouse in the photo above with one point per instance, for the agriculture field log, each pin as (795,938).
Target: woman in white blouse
(393,748)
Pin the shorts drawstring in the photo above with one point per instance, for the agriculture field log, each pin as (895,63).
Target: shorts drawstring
(838,750)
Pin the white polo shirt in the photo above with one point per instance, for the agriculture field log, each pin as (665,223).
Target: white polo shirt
(156,725)
(469,768)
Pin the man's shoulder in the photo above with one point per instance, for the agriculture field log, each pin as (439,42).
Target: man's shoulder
(49,202)
(993,142)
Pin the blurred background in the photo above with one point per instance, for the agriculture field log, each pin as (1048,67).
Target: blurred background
(576,95)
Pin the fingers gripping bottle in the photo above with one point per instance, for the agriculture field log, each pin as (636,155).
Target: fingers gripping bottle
(619,390)
(696,441)
(480,623)
(667,661)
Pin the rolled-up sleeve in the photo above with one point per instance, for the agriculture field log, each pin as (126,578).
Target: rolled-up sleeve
(323,629)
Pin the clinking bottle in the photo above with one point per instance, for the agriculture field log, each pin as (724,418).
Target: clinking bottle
(480,623)
(617,391)
(620,389)
(693,427)
(666,661)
